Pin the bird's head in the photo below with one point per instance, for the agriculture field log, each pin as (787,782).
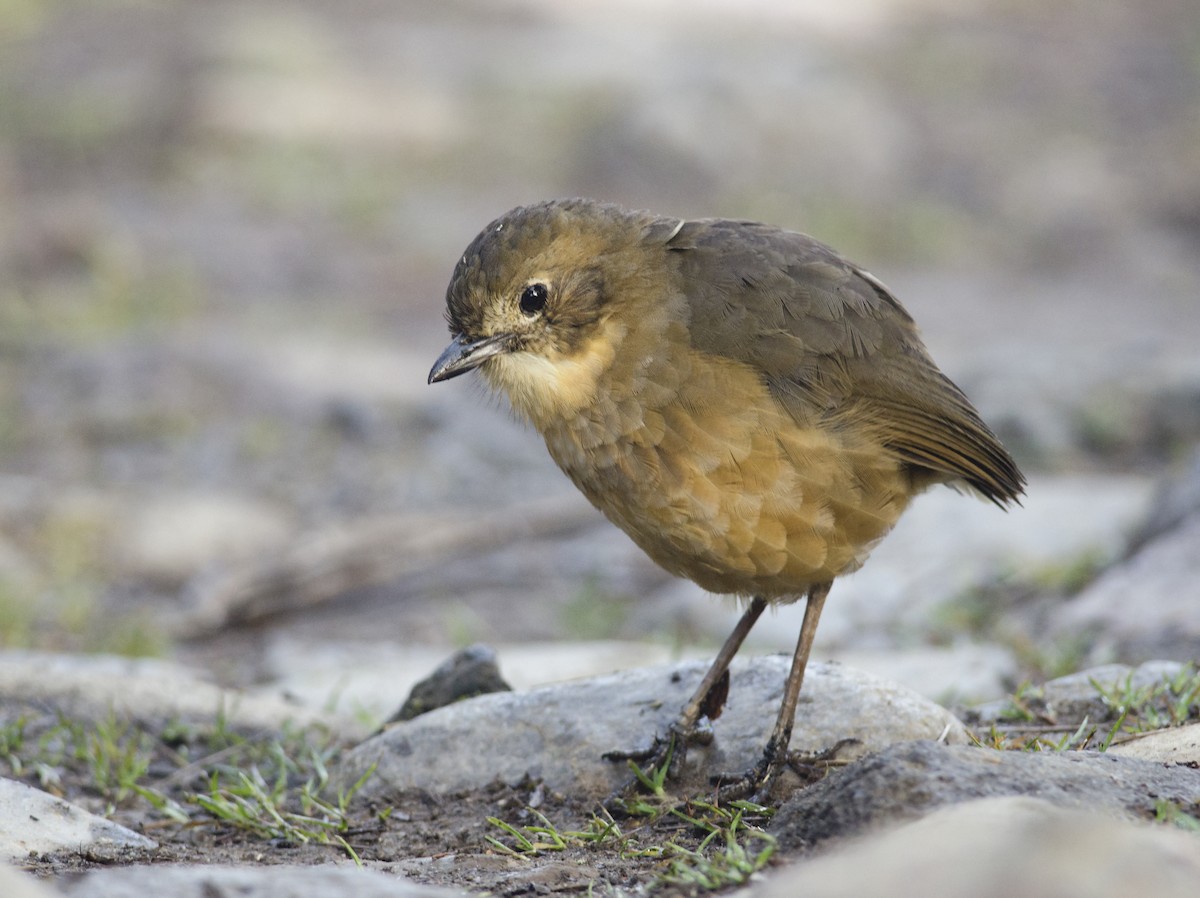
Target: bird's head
(531,302)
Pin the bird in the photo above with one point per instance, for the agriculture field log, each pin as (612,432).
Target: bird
(753,409)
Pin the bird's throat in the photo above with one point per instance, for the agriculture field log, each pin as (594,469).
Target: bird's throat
(549,388)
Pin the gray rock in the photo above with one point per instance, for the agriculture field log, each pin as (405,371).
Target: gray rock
(903,782)
(1076,696)
(559,732)
(1066,693)
(465,674)
(33,820)
(1176,499)
(1145,606)
(1177,745)
(998,848)
(245,882)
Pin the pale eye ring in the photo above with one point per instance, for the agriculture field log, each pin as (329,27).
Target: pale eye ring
(533,299)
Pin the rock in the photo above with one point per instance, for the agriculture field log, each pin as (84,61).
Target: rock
(1178,745)
(33,820)
(92,686)
(999,848)
(1176,499)
(1145,606)
(558,733)
(1076,696)
(467,673)
(902,782)
(14,884)
(245,882)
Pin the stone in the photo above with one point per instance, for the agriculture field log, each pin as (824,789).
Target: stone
(1144,606)
(906,781)
(559,733)
(1075,696)
(187,881)
(465,674)
(1177,745)
(999,848)
(1176,499)
(33,820)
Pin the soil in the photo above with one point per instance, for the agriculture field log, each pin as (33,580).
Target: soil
(425,837)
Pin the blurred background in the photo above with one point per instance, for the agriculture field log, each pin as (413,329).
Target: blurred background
(226,230)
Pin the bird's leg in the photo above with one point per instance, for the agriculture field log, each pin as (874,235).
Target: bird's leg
(706,703)
(775,754)
(700,704)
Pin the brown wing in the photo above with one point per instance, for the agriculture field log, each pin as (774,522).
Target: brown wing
(834,346)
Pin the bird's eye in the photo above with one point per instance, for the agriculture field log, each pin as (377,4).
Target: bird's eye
(533,299)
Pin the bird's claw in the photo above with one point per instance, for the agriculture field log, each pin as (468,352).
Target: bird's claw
(821,757)
(754,784)
(758,782)
(662,761)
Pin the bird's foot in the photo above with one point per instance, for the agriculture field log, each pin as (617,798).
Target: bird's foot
(821,759)
(654,765)
(753,784)
(757,783)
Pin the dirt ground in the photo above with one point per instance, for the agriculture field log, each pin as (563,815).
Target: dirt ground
(210,794)
(444,839)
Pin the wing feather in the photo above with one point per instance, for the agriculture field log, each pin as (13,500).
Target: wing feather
(834,346)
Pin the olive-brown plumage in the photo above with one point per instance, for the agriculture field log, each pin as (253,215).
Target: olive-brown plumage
(752,409)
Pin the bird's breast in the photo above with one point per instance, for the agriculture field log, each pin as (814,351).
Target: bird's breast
(548,390)
(692,456)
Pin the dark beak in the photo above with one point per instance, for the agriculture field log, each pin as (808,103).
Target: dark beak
(461,356)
